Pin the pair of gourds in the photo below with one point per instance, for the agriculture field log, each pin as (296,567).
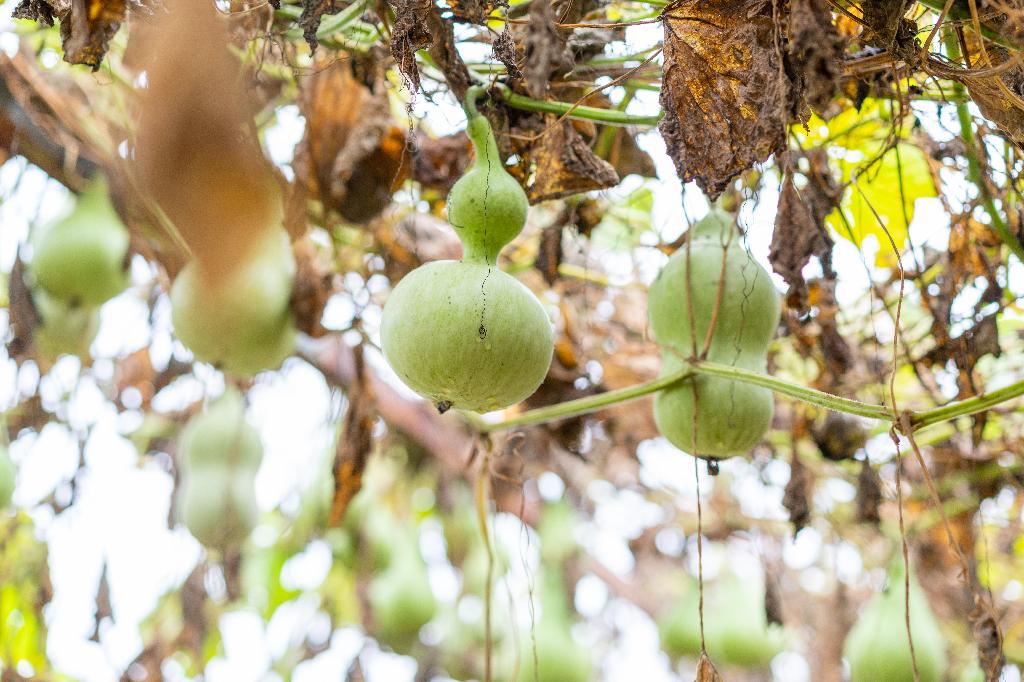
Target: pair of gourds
(465,334)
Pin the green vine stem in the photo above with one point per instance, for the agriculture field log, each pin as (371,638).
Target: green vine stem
(918,420)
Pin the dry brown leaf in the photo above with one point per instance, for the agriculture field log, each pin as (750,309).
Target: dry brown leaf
(355,442)
(352,156)
(197,153)
(410,33)
(721,89)
(796,238)
(706,671)
(35,10)
(797,496)
(884,23)
(440,161)
(544,51)
(990,94)
(89,29)
(22,315)
(815,51)
(869,494)
(313,12)
(314,285)
(565,165)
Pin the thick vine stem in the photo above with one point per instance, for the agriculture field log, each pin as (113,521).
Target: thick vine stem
(916,420)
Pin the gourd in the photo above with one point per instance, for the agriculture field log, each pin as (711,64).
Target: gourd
(737,631)
(464,333)
(220,454)
(82,259)
(559,658)
(401,601)
(239,319)
(63,329)
(877,646)
(731,417)
(8,475)
(735,626)
(679,625)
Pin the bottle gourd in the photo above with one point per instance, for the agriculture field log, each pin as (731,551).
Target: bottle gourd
(877,646)
(463,333)
(731,417)
(220,454)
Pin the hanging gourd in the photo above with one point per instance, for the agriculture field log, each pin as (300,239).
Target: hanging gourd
(82,259)
(877,647)
(731,417)
(463,333)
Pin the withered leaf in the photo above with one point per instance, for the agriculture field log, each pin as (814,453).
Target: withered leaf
(796,238)
(796,498)
(544,50)
(23,317)
(504,50)
(706,671)
(992,95)
(35,10)
(815,51)
(549,253)
(197,153)
(103,608)
(772,596)
(565,165)
(721,89)
(355,442)
(869,494)
(445,54)
(314,285)
(92,24)
(313,12)
(352,155)
(884,22)
(410,33)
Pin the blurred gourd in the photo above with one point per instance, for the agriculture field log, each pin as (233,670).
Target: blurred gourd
(239,318)
(731,417)
(463,333)
(220,454)
(557,527)
(401,601)
(877,646)
(736,627)
(679,625)
(63,329)
(559,657)
(82,259)
(8,476)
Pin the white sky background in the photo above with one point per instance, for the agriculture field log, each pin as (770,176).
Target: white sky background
(120,514)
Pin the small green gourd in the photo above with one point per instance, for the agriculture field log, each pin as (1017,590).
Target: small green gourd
(241,320)
(220,455)
(401,601)
(731,416)
(738,632)
(877,646)
(679,625)
(463,333)
(82,259)
(559,657)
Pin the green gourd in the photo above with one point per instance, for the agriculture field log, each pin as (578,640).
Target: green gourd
(220,454)
(877,646)
(487,207)
(465,334)
(736,627)
(82,258)
(63,329)
(239,320)
(732,417)
(559,658)
(679,625)
(8,476)
(557,530)
(401,601)
(221,436)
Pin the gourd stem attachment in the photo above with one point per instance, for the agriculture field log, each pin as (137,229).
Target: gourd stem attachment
(918,420)
(473,93)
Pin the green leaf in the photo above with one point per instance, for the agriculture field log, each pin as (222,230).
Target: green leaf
(890,188)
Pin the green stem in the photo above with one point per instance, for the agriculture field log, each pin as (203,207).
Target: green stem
(580,406)
(611,116)
(801,393)
(964,408)
(974,170)
(963,14)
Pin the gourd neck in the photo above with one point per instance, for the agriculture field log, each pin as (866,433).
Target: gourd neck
(716,225)
(484,145)
(478,254)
